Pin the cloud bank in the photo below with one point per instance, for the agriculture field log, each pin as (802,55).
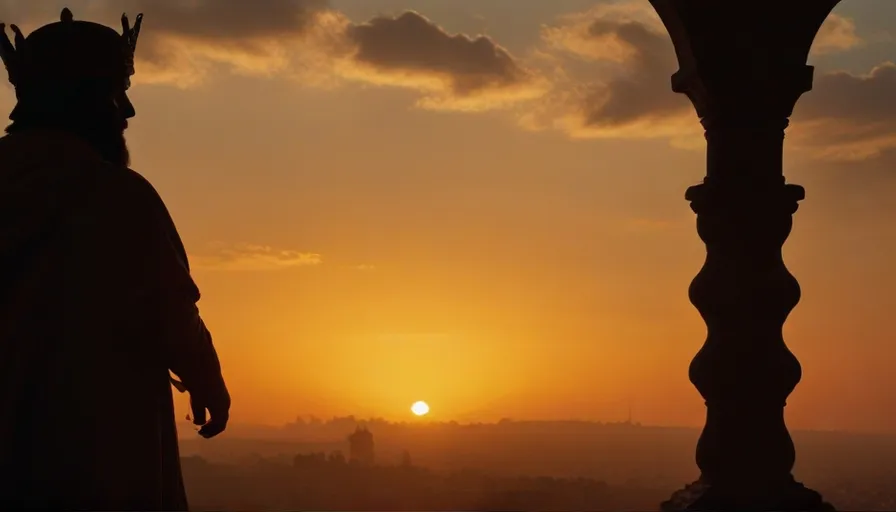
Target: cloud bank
(631,97)
(603,73)
(184,42)
(846,116)
(849,117)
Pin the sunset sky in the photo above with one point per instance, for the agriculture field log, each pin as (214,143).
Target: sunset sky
(380,209)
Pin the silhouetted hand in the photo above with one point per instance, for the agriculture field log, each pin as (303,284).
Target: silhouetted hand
(218,406)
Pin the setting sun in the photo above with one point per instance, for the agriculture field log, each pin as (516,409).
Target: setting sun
(420,408)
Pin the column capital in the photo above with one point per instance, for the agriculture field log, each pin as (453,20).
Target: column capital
(743,59)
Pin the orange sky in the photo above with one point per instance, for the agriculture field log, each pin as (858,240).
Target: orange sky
(379,212)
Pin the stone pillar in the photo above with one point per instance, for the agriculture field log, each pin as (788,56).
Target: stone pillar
(743,65)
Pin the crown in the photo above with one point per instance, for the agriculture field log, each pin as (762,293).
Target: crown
(51,42)
(129,39)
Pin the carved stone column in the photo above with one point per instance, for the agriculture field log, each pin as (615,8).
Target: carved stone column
(743,65)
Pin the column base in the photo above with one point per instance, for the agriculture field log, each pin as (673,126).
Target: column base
(702,497)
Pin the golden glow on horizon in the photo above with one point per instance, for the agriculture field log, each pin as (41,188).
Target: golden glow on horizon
(420,408)
(494,271)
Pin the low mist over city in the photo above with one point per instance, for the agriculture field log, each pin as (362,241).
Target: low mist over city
(310,464)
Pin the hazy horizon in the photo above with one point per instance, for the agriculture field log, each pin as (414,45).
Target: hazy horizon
(258,431)
(378,212)
(292,467)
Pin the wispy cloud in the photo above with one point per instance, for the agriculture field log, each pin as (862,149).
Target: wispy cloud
(837,34)
(252,257)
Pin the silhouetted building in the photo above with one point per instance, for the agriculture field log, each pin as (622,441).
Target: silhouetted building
(361,446)
(336,457)
(309,460)
(406,459)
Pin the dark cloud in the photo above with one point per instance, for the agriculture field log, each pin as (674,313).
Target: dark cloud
(412,50)
(871,98)
(643,91)
(413,44)
(218,19)
(248,36)
(847,116)
(234,19)
(627,46)
(182,40)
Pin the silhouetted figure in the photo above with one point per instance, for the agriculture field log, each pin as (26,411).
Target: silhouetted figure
(97,301)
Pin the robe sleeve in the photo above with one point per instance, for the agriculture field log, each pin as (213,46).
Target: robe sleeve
(163,294)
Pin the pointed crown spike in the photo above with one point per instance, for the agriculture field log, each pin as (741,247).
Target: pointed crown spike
(66,16)
(8,52)
(129,37)
(130,34)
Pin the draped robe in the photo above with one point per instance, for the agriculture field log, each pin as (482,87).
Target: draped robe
(96,306)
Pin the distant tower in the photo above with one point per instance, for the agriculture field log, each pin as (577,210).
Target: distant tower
(361,446)
(406,459)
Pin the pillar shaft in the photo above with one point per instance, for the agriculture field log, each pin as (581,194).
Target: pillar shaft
(743,65)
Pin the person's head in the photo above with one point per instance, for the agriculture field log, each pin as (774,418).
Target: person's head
(74,76)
